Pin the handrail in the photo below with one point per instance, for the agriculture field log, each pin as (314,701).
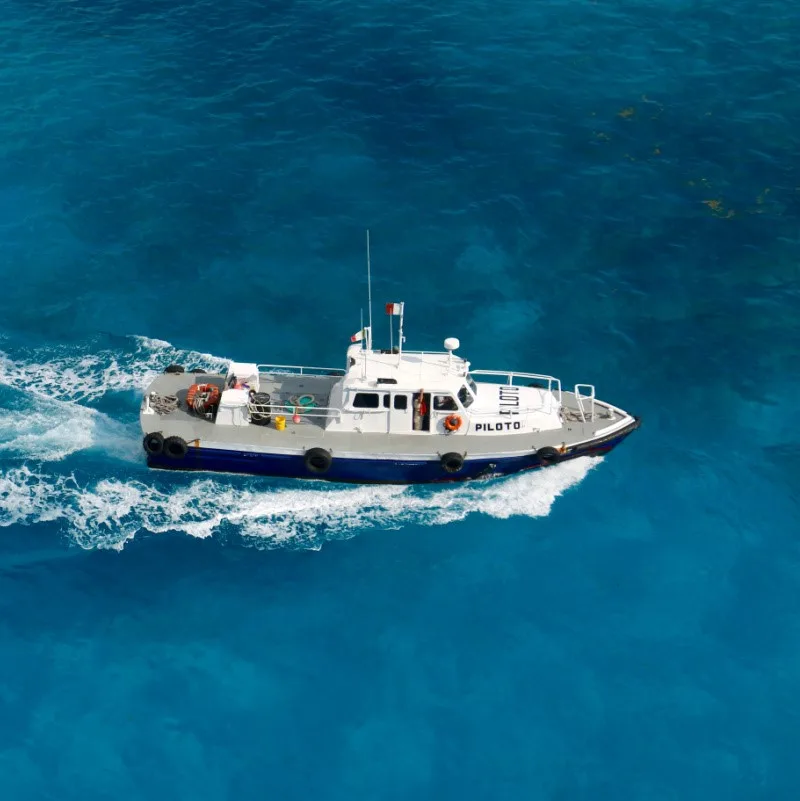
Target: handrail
(307,411)
(588,397)
(547,408)
(289,409)
(515,374)
(455,366)
(432,353)
(297,369)
(553,383)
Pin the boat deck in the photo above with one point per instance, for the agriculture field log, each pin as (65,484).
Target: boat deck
(286,390)
(310,432)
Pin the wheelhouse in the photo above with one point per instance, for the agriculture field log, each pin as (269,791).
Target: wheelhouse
(394,391)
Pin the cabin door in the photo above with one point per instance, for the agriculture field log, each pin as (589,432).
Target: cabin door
(400,413)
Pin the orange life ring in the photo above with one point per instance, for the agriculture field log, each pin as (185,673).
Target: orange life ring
(202,397)
(452,422)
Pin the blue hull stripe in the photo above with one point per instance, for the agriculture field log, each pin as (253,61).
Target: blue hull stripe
(362,471)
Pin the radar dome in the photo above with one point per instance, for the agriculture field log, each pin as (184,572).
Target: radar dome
(451,343)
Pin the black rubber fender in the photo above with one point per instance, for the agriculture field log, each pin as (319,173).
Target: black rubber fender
(452,462)
(317,460)
(153,443)
(175,447)
(548,454)
(175,369)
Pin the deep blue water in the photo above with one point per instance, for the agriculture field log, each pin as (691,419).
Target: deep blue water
(606,191)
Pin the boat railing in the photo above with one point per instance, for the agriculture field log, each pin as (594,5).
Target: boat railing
(454,364)
(296,369)
(547,382)
(584,395)
(306,414)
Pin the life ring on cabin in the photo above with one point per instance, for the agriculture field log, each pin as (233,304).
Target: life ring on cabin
(452,422)
(153,443)
(317,460)
(175,447)
(202,397)
(452,462)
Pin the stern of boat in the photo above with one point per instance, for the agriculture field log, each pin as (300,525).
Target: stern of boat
(165,398)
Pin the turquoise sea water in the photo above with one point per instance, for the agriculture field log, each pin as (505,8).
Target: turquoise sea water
(605,191)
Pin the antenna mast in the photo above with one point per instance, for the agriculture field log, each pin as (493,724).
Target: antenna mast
(369,294)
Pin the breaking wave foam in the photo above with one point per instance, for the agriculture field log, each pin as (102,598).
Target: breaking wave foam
(70,373)
(51,423)
(49,430)
(110,512)
(107,513)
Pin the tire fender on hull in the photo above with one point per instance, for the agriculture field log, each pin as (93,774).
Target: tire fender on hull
(548,455)
(153,443)
(175,447)
(452,462)
(317,461)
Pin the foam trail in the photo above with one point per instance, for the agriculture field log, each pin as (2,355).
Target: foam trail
(50,430)
(110,512)
(72,373)
(48,435)
(51,424)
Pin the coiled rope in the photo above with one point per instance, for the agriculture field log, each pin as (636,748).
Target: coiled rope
(163,404)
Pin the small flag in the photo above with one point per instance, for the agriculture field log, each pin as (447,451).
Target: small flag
(394,308)
(358,336)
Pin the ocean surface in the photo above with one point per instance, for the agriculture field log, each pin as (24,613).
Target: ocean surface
(605,191)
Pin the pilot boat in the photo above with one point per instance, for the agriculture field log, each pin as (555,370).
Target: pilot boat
(388,416)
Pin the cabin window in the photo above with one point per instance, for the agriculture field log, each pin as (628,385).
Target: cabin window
(401,402)
(464,396)
(385,401)
(366,400)
(444,403)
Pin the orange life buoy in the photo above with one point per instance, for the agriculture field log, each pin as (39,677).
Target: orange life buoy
(452,422)
(202,397)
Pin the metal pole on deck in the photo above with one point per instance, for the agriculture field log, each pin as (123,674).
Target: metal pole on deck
(400,335)
(369,292)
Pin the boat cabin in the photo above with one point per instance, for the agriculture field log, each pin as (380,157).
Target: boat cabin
(402,393)
(391,392)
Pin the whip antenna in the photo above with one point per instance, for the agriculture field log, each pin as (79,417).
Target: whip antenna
(369,293)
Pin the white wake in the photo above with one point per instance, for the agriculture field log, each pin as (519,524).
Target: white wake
(110,512)
(107,513)
(73,374)
(53,423)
